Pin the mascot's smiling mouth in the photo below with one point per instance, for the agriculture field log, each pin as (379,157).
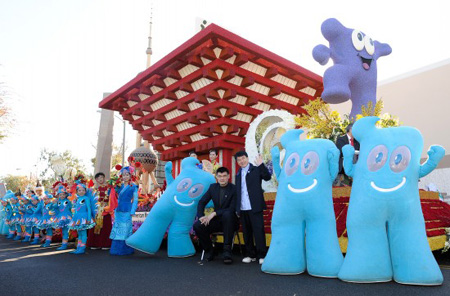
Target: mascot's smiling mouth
(302,190)
(366,62)
(182,204)
(388,189)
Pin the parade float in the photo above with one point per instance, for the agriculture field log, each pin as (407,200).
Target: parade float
(218,90)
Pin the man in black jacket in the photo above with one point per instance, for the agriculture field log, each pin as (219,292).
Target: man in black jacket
(341,142)
(250,205)
(223,195)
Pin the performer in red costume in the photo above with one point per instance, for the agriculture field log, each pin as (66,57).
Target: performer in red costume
(98,237)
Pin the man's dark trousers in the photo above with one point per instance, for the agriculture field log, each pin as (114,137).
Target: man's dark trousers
(227,223)
(253,225)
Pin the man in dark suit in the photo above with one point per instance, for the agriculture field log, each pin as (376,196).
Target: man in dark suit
(344,140)
(250,205)
(223,195)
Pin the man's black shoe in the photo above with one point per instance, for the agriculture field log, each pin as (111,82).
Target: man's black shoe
(209,255)
(227,256)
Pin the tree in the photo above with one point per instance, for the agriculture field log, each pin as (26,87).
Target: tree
(16,183)
(48,175)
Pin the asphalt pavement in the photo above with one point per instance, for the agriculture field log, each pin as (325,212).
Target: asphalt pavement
(31,270)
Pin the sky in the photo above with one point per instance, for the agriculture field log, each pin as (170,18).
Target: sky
(59,57)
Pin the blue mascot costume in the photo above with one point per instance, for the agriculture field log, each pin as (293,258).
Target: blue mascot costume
(354,73)
(385,224)
(175,210)
(303,222)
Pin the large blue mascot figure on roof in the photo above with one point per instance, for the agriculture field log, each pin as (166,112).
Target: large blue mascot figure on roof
(385,224)
(303,222)
(354,73)
(175,210)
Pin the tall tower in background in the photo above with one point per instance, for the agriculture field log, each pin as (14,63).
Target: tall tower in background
(158,175)
(149,47)
(149,63)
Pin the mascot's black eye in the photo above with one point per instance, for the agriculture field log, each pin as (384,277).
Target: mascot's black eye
(358,40)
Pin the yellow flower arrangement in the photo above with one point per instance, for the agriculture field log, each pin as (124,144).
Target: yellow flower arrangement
(321,122)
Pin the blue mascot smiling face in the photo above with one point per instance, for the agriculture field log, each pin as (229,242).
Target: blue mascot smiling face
(306,163)
(175,210)
(188,194)
(190,184)
(389,166)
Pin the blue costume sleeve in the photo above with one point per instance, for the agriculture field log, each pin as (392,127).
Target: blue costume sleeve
(333,162)
(168,171)
(348,151)
(135,201)
(275,151)
(435,154)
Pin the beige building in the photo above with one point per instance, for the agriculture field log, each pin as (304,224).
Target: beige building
(421,99)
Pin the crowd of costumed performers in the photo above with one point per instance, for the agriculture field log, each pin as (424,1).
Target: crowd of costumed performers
(99,215)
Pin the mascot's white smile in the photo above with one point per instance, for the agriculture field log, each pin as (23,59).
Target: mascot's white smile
(183,204)
(388,189)
(302,190)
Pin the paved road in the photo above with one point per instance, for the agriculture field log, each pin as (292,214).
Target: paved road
(30,270)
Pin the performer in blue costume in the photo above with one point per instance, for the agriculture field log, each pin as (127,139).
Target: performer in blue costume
(63,215)
(28,208)
(126,207)
(15,218)
(47,220)
(385,224)
(36,217)
(4,228)
(303,223)
(5,213)
(354,73)
(175,209)
(85,210)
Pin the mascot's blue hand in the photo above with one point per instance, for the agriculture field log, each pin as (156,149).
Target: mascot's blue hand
(348,151)
(168,172)
(275,151)
(436,152)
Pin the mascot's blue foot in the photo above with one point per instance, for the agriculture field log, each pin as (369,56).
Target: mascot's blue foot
(63,247)
(10,236)
(46,244)
(119,248)
(18,237)
(27,239)
(35,241)
(79,250)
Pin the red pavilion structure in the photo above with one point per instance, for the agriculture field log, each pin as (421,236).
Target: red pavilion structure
(205,93)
